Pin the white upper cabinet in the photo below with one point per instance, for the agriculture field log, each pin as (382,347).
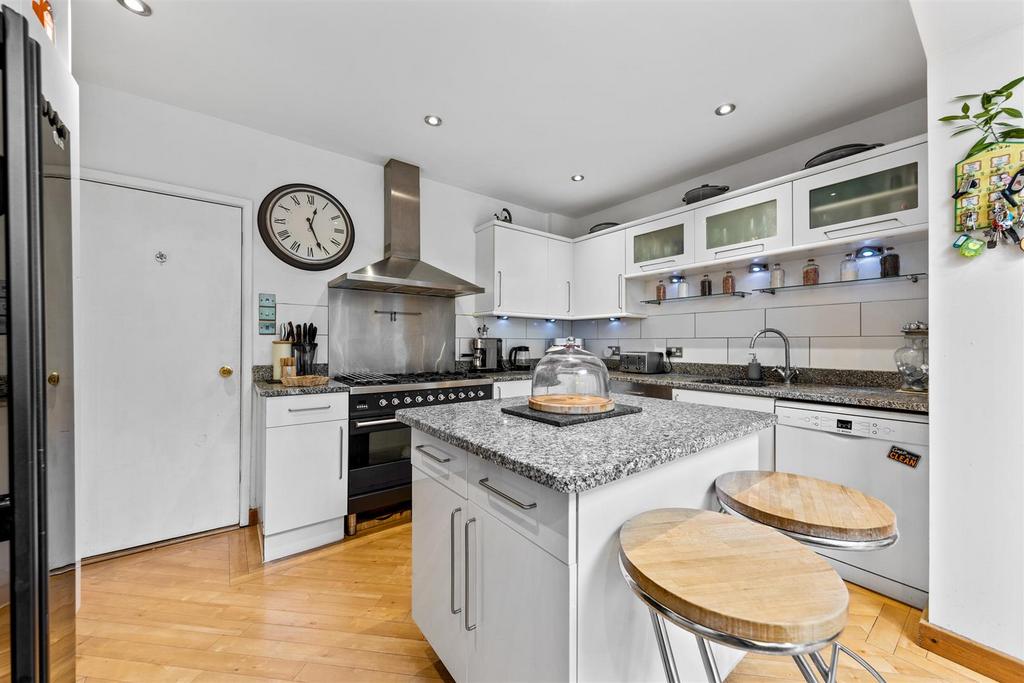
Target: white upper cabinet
(663,242)
(749,224)
(884,192)
(599,267)
(560,273)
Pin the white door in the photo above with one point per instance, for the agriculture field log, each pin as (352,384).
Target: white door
(598,266)
(558,294)
(161,314)
(520,264)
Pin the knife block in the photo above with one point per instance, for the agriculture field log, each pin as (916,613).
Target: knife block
(305,358)
(278,351)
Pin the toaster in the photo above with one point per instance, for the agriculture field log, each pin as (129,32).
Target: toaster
(643,362)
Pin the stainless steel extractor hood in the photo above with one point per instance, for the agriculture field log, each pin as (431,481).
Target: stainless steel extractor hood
(401,271)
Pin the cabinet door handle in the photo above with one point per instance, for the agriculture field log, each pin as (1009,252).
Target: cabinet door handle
(373,423)
(739,251)
(518,503)
(451,582)
(659,264)
(465,582)
(341,452)
(620,291)
(857,229)
(306,410)
(499,290)
(424,451)
(568,296)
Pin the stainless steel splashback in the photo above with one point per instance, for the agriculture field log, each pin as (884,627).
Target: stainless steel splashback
(390,332)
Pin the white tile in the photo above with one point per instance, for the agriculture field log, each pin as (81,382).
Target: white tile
(880,318)
(702,350)
(624,328)
(854,353)
(770,351)
(729,323)
(513,327)
(677,325)
(465,325)
(300,313)
(836,320)
(600,347)
(584,329)
(643,344)
(542,329)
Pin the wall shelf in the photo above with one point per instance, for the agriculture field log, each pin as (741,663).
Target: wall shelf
(658,302)
(913,277)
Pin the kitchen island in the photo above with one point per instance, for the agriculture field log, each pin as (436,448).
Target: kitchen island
(515,566)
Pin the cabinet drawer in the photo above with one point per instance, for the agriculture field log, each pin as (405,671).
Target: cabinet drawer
(295,410)
(442,461)
(538,513)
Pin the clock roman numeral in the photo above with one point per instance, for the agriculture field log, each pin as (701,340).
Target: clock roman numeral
(335,242)
(309,252)
(283,234)
(295,199)
(282,221)
(334,218)
(309,199)
(295,247)
(340,231)
(324,208)
(284,208)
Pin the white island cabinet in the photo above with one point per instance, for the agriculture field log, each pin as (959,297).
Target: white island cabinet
(518,580)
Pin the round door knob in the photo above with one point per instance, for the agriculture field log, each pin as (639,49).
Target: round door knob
(53,379)
(226,371)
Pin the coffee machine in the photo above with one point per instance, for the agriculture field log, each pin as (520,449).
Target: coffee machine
(486,353)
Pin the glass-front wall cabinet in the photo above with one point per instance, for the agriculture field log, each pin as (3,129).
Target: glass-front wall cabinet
(749,224)
(880,193)
(664,242)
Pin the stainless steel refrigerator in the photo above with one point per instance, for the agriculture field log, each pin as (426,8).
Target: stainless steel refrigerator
(37,455)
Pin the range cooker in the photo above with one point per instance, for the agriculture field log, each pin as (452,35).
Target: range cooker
(379,446)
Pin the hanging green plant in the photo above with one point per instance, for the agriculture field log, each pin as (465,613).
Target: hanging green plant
(986,118)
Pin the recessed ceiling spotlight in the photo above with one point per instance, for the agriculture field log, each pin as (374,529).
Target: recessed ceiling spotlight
(725,109)
(576,178)
(432,120)
(136,7)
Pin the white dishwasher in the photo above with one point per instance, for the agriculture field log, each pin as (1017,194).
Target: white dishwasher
(881,453)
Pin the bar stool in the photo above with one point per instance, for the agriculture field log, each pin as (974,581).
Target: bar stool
(732,582)
(818,513)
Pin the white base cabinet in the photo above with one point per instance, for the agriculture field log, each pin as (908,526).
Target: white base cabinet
(533,591)
(519,387)
(301,450)
(766,439)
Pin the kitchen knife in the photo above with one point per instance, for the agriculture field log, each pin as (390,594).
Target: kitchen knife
(291,332)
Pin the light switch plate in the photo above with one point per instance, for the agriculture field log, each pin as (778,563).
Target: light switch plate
(268,299)
(268,313)
(268,327)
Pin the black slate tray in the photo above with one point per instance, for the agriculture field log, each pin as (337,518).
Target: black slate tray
(560,420)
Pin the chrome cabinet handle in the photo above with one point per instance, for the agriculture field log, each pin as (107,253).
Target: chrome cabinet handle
(620,291)
(882,225)
(658,264)
(465,587)
(739,251)
(371,423)
(306,410)
(424,451)
(452,573)
(568,296)
(521,505)
(499,290)
(341,452)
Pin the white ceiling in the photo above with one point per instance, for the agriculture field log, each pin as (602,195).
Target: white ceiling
(530,92)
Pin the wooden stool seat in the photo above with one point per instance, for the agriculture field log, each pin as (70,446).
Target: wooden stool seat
(810,508)
(733,577)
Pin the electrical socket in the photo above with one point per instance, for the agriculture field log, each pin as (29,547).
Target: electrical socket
(268,299)
(267,328)
(614,350)
(674,351)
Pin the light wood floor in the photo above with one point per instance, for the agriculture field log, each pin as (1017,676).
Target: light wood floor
(206,610)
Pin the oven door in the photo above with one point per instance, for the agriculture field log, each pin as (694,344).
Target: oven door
(379,461)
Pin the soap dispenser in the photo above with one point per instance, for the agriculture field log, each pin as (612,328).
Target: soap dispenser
(754,369)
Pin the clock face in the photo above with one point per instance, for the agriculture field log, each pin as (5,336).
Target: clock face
(306,227)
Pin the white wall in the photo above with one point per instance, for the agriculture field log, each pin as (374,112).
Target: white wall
(889,126)
(977,368)
(134,136)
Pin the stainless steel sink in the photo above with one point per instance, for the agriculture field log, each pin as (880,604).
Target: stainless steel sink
(732,382)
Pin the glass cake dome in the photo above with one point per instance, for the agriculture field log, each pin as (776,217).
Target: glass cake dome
(570,371)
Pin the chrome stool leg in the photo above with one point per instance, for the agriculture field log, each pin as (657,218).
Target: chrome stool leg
(665,648)
(708,657)
(805,669)
(863,662)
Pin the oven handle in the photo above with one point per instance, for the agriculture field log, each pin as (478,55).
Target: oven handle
(374,423)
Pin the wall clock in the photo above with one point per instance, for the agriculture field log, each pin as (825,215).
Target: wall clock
(306,227)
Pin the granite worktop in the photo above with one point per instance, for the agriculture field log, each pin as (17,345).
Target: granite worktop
(878,397)
(585,456)
(269,389)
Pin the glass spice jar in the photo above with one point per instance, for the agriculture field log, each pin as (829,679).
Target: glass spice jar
(659,291)
(705,285)
(728,283)
(812,273)
(848,269)
(890,263)
(778,276)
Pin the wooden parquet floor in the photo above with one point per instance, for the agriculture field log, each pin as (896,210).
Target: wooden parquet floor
(207,611)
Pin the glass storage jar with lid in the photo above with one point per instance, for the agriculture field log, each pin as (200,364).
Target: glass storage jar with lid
(569,380)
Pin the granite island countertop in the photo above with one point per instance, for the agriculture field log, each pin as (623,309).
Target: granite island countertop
(883,398)
(269,389)
(585,456)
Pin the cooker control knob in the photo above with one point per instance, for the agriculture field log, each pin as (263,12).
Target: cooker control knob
(383,402)
(430,398)
(394,401)
(462,394)
(408,399)
(440,397)
(451,396)
(480,393)
(419,399)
